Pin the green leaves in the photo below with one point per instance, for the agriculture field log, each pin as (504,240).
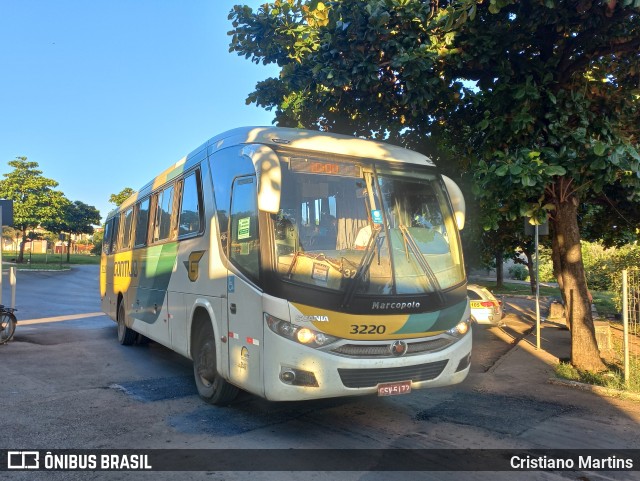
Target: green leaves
(35,199)
(548,95)
(599,148)
(121,196)
(515,169)
(502,170)
(524,171)
(552,170)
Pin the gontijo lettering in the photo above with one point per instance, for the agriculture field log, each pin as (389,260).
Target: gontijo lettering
(125,269)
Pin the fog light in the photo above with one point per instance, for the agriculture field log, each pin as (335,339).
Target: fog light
(288,376)
(298,377)
(464,363)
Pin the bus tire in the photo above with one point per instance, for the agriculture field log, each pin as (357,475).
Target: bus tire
(212,388)
(142,340)
(126,336)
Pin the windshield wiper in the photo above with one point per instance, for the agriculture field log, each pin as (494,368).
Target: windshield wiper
(363,267)
(410,242)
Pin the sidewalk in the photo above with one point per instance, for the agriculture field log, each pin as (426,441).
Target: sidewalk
(526,371)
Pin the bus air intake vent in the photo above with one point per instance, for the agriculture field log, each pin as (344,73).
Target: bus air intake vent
(357,378)
(383,350)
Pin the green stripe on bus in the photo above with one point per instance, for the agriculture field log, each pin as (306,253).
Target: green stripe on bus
(154,279)
(435,321)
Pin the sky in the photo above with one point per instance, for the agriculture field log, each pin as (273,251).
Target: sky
(105,94)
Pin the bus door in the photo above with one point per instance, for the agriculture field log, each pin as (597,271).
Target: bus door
(156,265)
(107,293)
(244,300)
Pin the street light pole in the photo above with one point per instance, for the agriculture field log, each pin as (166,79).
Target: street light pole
(537,291)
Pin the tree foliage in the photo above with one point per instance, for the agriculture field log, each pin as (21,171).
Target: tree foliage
(540,99)
(74,218)
(34,199)
(121,196)
(612,218)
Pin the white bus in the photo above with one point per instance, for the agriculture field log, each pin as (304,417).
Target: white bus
(295,265)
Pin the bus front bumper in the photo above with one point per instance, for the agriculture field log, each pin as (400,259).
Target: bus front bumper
(296,372)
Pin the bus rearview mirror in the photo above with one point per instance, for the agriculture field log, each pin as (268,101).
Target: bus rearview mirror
(457,201)
(267,165)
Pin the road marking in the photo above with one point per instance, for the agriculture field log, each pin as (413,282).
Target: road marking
(70,317)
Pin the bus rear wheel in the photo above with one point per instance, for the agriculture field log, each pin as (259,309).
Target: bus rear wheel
(212,388)
(126,336)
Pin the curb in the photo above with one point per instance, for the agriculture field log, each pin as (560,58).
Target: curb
(43,270)
(601,390)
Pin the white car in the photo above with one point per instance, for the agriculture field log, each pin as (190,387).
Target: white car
(485,308)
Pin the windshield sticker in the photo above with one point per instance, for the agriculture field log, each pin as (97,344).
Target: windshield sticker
(320,272)
(243,228)
(376,216)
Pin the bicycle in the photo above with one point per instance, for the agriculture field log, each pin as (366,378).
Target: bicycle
(8,323)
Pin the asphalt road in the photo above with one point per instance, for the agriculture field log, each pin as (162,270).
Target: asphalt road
(68,384)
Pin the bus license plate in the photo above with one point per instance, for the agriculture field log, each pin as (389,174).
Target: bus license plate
(394,388)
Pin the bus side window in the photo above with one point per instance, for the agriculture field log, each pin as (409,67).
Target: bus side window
(114,235)
(106,240)
(226,165)
(127,223)
(190,206)
(245,242)
(163,214)
(142,222)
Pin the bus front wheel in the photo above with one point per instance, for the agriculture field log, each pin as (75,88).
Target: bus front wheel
(211,386)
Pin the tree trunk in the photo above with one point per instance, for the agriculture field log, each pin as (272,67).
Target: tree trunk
(499,269)
(23,241)
(566,238)
(69,250)
(530,267)
(555,258)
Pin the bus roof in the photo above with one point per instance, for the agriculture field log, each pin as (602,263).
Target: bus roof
(306,140)
(316,141)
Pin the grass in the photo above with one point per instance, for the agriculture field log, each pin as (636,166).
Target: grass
(613,378)
(518,289)
(49,262)
(603,300)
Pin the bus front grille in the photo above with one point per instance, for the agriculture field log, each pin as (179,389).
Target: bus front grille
(356,378)
(384,350)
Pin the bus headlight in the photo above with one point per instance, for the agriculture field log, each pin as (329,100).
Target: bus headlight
(461,329)
(302,335)
(305,336)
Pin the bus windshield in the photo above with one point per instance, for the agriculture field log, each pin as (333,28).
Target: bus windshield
(365,228)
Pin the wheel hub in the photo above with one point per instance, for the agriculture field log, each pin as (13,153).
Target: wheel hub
(207,363)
